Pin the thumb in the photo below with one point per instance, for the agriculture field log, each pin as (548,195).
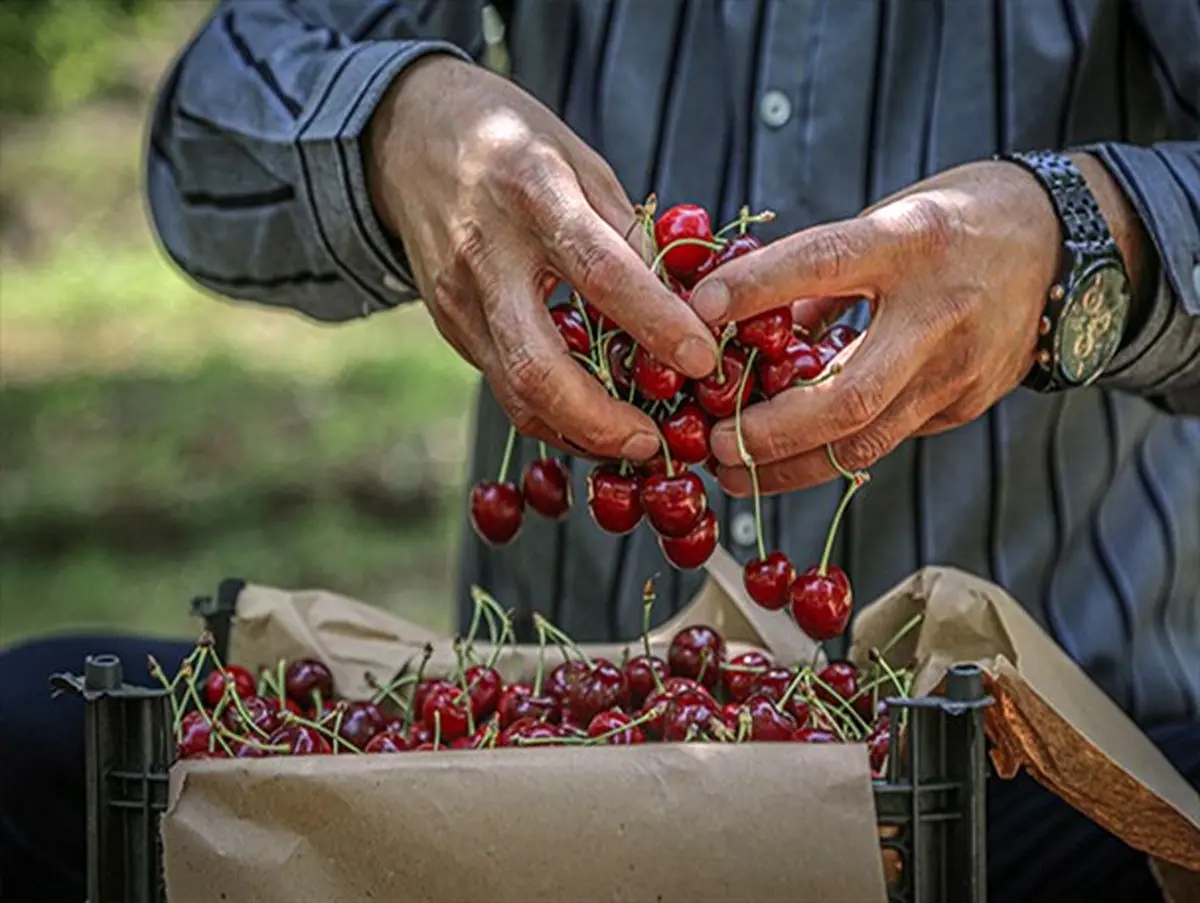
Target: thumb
(851,257)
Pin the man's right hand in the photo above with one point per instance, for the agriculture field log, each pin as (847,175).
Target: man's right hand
(495,200)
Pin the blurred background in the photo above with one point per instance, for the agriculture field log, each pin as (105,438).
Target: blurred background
(155,440)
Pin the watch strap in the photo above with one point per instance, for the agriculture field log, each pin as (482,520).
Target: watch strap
(1086,238)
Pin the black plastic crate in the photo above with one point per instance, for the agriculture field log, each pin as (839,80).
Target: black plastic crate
(930,804)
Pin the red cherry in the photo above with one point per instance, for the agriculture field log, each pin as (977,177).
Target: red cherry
(687,718)
(262,714)
(526,729)
(614,500)
(307,679)
(767,723)
(739,674)
(731,714)
(737,247)
(686,432)
(484,685)
(241,680)
(770,332)
(773,683)
(839,336)
(425,688)
(656,465)
(797,707)
(389,742)
(813,735)
(572,327)
(675,689)
(598,320)
(821,604)
(841,678)
(419,734)
(557,684)
(718,393)
(802,363)
(518,702)
(879,744)
(674,505)
(605,722)
(546,487)
(693,550)
(360,722)
(640,675)
(655,379)
(684,221)
(697,652)
(597,690)
(767,580)
(825,353)
(496,511)
(301,740)
(195,732)
(620,360)
(446,713)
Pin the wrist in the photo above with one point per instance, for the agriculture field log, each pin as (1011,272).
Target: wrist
(397,127)
(1126,227)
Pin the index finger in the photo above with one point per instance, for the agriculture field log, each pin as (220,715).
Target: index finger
(552,387)
(599,264)
(845,258)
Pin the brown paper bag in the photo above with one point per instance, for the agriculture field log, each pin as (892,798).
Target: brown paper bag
(1050,718)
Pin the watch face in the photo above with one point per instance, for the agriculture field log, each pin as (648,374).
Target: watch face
(1092,323)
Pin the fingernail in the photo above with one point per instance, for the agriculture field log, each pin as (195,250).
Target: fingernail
(640,446)
(695,357)
(724,446)
(711,300)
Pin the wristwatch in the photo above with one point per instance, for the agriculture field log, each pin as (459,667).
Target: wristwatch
(1088,305)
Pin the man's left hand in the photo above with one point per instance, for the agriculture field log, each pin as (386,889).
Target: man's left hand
(957,268)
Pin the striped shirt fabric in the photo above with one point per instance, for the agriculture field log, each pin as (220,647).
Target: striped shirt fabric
(1085,505)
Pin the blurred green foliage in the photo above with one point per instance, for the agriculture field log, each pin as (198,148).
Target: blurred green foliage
(55,54)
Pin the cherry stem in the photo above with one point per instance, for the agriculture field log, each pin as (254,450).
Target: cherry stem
(857,481)
(648,597)
(466,689)
(727,335)
(904,631)
(157,673)
(836,465)
(800,677)
(542,449)
(842,704)
(833,717)
(679,243)
(338,715)
(410,716)
(266,683)
(559,636)
(824,376)
(437,728)
(540,673)
(281,677)
(891,675)
(745,455)
(388,690)
(666,454)
(508,451)
(744,219)
(745,725)
(872,687)
(231,691)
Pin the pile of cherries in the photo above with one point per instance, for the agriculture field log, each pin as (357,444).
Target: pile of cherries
(695,694)
(759,358)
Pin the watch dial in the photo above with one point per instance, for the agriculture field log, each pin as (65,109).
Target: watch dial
(1092,324)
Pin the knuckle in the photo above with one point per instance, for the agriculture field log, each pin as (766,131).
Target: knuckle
(861,402)
(863,449)
(830,255)
(932,228)
(529,375)
(469,247)
(594,272)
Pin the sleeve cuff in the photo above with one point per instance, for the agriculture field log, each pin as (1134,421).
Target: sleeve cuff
(334,179)
(1158,186)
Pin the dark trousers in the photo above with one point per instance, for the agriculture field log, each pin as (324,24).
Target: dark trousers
(1039,849)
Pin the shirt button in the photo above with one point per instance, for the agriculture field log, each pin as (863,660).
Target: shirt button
(775,109)
(743,530)
(392,284)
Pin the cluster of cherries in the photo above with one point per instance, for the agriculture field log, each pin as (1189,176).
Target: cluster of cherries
(759,358)
(695,694)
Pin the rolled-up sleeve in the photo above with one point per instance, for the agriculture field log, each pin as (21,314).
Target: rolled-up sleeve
(1162,359)
(255,176)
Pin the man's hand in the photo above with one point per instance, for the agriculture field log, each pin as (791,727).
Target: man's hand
(496,200)
(957,268)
